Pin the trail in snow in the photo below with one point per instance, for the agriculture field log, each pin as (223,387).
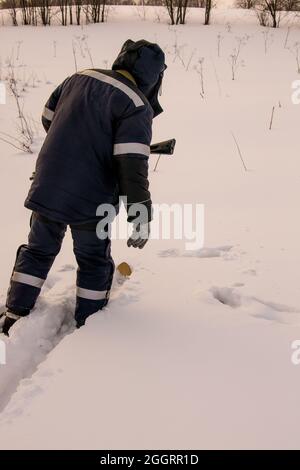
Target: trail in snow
(33,337)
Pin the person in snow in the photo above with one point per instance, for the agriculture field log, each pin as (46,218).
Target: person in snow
(98,125)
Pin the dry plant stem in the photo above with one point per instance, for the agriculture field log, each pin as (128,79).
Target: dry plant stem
(272,118)
(239,151)
(287,37)
(157,162)
(23,147)
(74,55)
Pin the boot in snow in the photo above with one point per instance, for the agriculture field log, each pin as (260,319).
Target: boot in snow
(7,320)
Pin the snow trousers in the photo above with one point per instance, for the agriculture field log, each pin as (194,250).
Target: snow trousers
(34,260)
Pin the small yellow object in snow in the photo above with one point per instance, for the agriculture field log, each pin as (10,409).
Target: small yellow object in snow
(124,269)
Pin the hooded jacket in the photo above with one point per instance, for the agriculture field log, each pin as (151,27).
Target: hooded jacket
(99,129)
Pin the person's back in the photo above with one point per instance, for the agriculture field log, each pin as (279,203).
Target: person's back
(90,113)
(98,125)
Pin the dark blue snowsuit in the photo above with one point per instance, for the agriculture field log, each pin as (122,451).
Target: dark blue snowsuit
(98,125)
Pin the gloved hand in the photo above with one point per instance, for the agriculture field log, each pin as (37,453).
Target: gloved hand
(140,236)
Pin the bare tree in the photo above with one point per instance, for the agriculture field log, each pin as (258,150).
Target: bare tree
(44,10)
(104,11)
(208,8)
(262,16)
(96,11)
(78,8)
(292,5)
(181,11)
(171,8)
(63,6)
(71,11)
(25,11)
(177,10)
(269,12)
(12,6)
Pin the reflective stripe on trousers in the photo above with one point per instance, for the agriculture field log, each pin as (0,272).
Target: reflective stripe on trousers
(34,260)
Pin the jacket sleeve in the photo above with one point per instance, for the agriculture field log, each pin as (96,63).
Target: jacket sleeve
(49,109)
(131,152)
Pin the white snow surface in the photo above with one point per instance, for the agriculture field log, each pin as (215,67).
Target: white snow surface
(194,350)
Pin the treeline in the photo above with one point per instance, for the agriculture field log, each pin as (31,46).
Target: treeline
(34,12)
(270,12)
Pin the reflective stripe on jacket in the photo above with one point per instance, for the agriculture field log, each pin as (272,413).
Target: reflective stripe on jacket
(97,146)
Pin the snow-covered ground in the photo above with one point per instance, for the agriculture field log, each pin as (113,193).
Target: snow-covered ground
(194,350)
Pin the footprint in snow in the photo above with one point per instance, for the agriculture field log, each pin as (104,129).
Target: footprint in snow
(66,267)
(250,272)
(172,253)
(273,311)
(257,307)
(205,252)
(227,296)
(51,281)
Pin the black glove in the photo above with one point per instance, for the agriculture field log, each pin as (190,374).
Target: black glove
(140,236)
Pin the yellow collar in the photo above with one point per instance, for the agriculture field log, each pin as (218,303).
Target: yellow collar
(127,75)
